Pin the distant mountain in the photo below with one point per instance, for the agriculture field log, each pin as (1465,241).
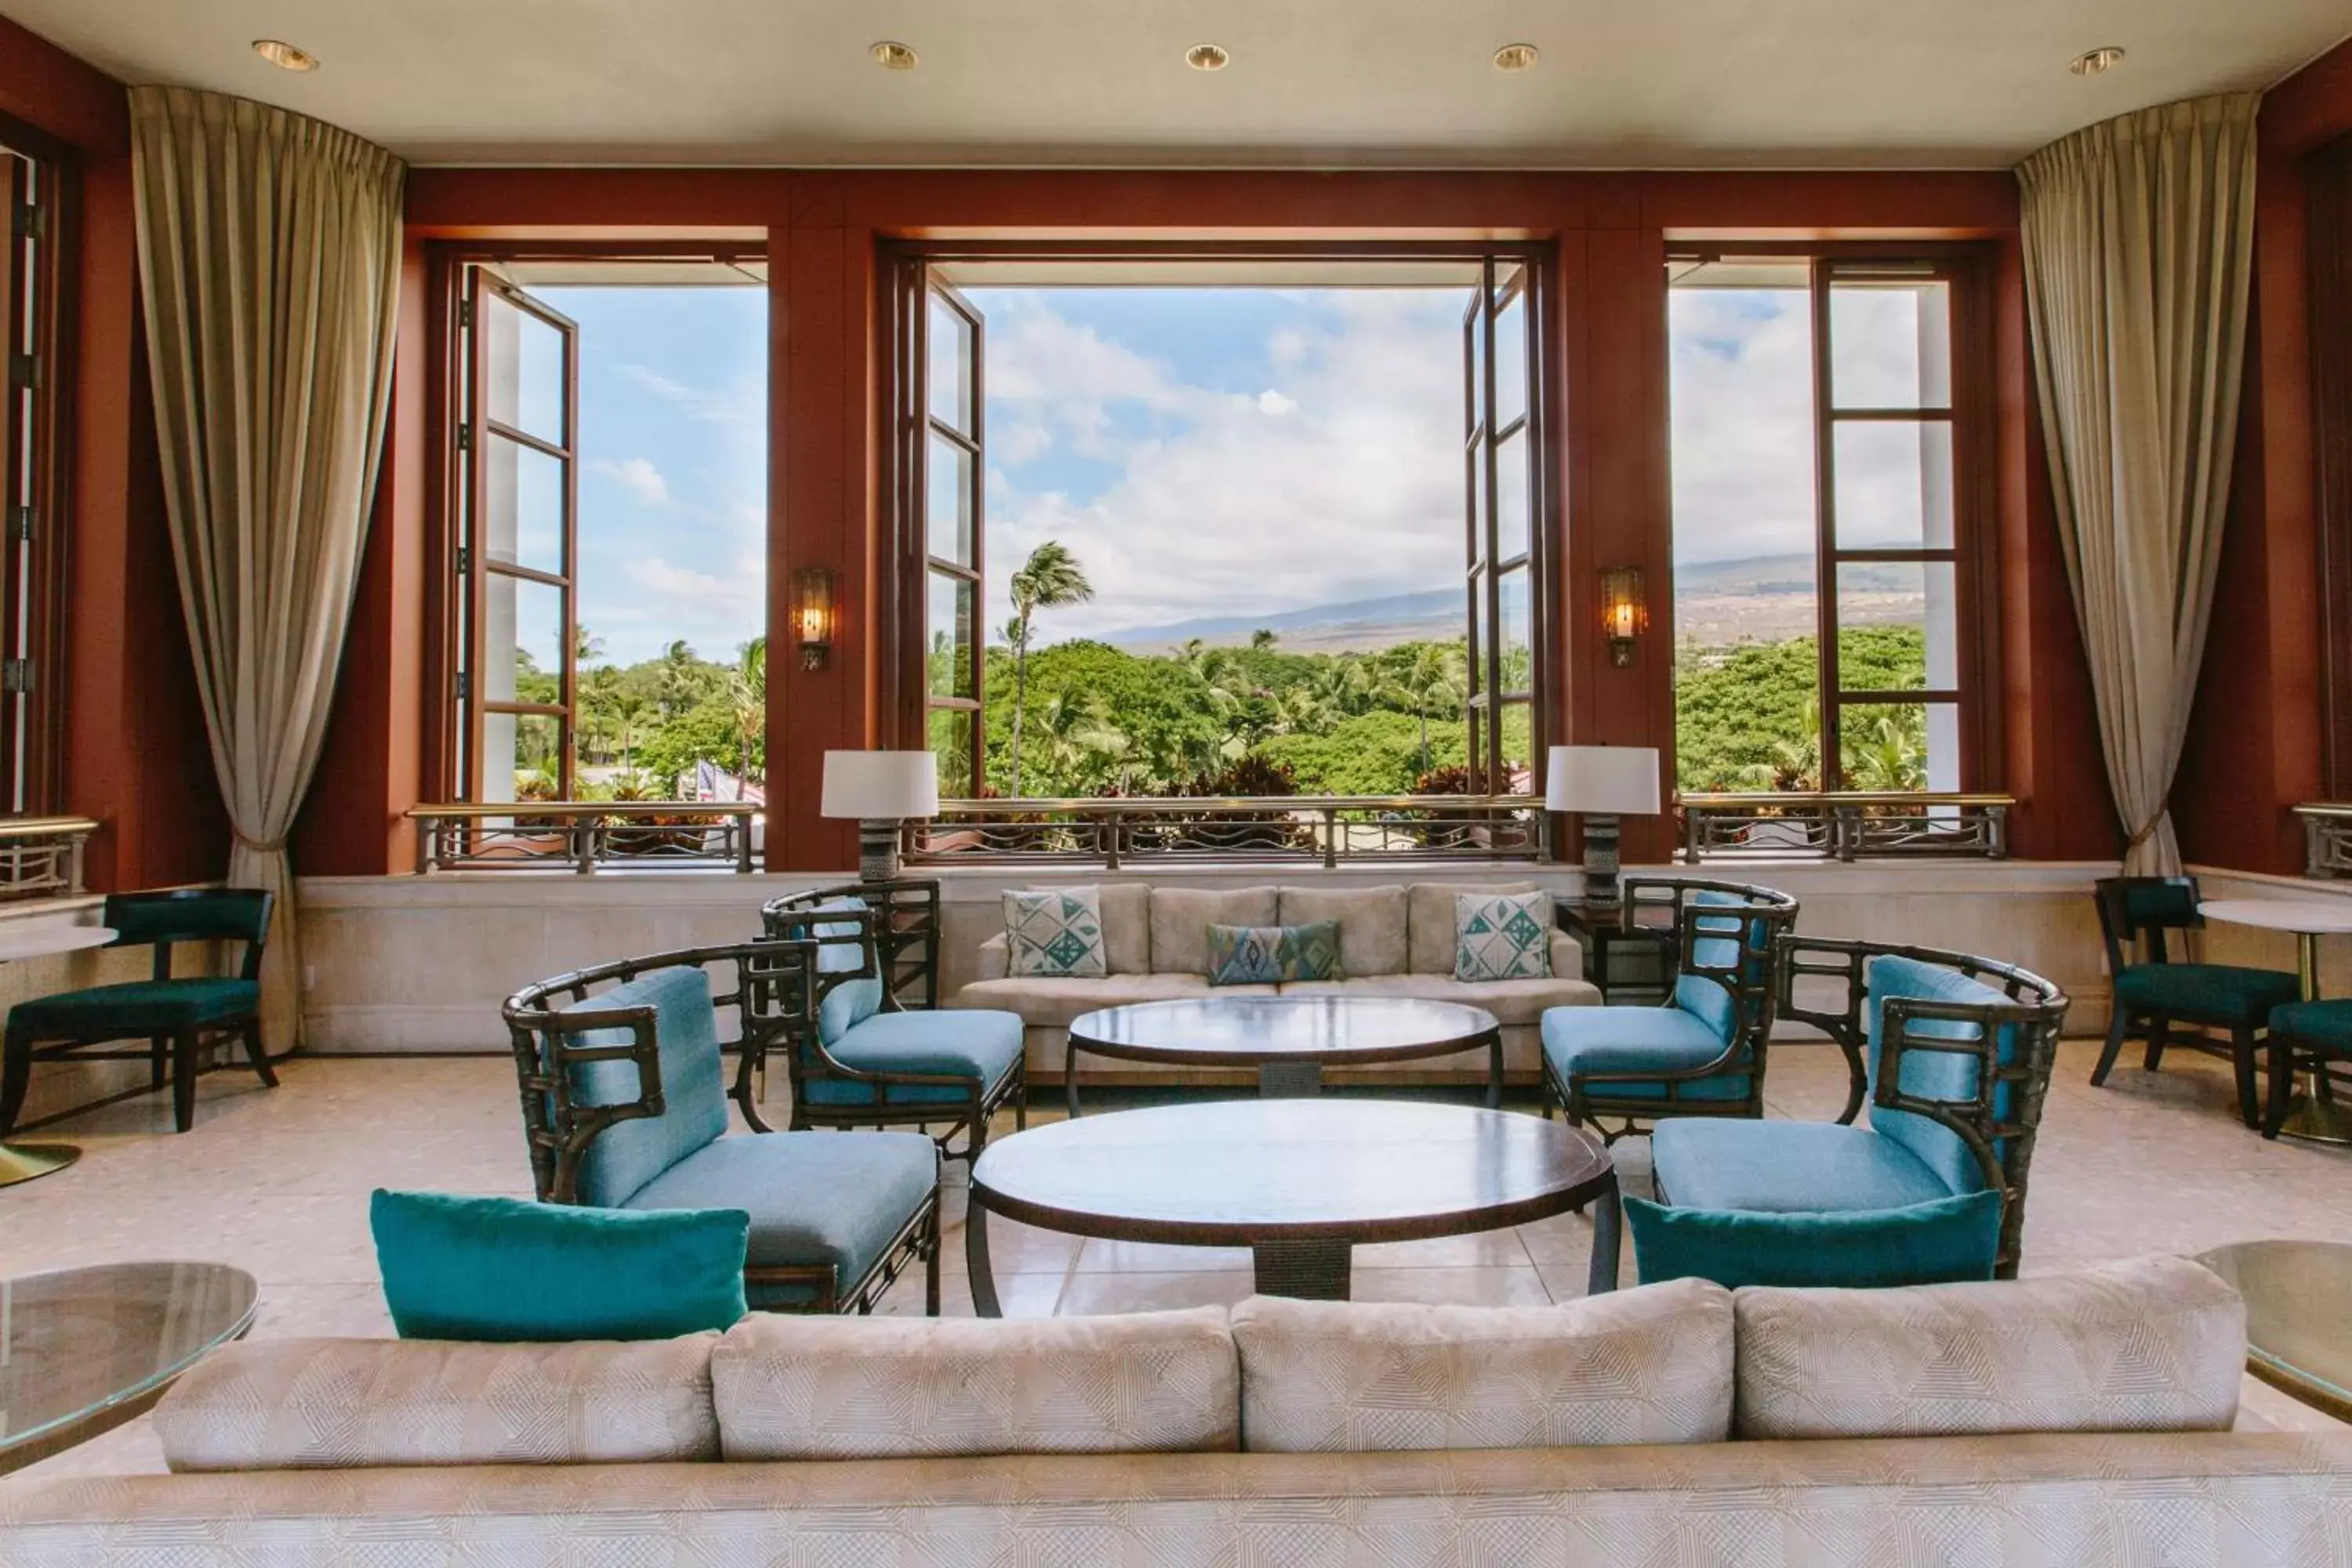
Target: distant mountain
(1357,625)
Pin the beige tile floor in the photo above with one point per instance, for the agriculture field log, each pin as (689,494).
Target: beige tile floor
(278,1183)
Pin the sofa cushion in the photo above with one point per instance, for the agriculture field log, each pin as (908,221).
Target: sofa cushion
(1430,925)
(628,1154)
(1056,931)
(1652,1365)
(1373,924)
(1273,955)
(1127,926)
(866,1388)
(458,1268)
(1513,1002)
(1932,1243)
(295,1404)
(1181,919)
(1053,1004)
(960,1042)
(1787,1168)
(2144,1344)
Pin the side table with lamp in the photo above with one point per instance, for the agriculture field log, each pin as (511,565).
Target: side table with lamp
(1601,783)
(881,791)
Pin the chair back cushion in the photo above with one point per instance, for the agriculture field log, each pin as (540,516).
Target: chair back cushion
(1704,998)
(1934,1074)
(873,1388)
(1055,933)
(205,914)
(459,1268)
(851,1002)
(1919,1244)
(1651,1365)
(1274,955)
(2147,1345)
(1373,924)
(1431,931)
(1181,919)
(310,1404)
(2165,902)
(629,1153)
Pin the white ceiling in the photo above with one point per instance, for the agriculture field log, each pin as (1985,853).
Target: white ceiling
(1621,83)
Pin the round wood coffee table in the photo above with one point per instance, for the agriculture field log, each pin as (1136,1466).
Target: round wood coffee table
(1289,1040)
(1298,1182)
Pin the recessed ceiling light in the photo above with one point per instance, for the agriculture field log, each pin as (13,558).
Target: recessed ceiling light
(285,56)
(1208,57)
(2098,62)
(1515,57)
(893,56)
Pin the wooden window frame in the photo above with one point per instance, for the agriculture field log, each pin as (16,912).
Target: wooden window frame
(2329,176)
(1487,698)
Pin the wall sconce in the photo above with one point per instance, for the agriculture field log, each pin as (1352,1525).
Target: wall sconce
(812,614)
(1623,615)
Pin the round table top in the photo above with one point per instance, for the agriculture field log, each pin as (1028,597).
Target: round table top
(1234,1173)
(40,942)
(2310,917)
(2298,1336)
(82,1350)
(1253,1030)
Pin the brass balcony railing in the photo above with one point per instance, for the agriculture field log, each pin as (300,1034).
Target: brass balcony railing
(2326,838)
(1841,825)
(587,835)
(1329,830)
(41,857)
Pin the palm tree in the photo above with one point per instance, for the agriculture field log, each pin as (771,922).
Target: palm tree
(1432,677)
(628,707)
(1050,579)
(747,694)
(1081,741)
(681,678)
(1263,640)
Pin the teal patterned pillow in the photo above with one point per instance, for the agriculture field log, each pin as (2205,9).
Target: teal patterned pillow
(1273,955)
(1056,932)
(1502,936)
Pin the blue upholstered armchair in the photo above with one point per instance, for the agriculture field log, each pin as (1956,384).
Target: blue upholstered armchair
(858,1056)
(624,1107)
(1624,1069)
(1958,1052)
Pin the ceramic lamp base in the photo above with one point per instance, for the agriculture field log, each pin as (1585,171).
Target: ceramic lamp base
(1601,860)
(877,848)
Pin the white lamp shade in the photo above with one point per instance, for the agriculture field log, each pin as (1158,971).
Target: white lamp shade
(1620,781)
(880,785)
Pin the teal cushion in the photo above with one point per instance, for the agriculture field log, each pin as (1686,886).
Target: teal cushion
(2162,902)
(2224,994)
(629,1153)
(2323,1023)
(1274,955)
(1580,1041)
(1936,1074)
(1787,1168)
(136,1007)
(965,1043)
(1932,1243)
(814,1198)
(1709,1003)
(850,1001)
(508,1269)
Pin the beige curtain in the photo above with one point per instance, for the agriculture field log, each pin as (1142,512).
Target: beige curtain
(268,256)
(2138,251)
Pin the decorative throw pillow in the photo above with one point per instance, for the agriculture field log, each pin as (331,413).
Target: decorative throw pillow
(1502,936)
(1056,932)
(1274,955)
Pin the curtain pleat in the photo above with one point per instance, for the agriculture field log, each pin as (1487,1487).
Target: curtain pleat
(269,259)
(2138,257)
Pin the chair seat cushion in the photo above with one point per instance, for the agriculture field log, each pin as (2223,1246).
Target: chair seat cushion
(1786,1167)
(2206,993)
(137,1007)
(1939,1242)
(2327,1024)
(1582,1041)
(966,1043)
(814,1198)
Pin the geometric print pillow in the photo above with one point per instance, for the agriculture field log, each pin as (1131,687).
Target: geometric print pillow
(1056,932)
(1502,936)
(1274,955)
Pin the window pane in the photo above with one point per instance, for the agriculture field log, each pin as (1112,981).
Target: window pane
(1890,344)
(1519,746)
(949,655)
(1511,498)
(526,370)
(521,756)
(950,742)
(1900,745)
(1517,638)
(950,367)
(1510,360)
(948,496)
(1893,485)
(1896,626)
(525,510)
(522,641)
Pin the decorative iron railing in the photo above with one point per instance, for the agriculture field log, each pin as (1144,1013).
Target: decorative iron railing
(1848,826)
(41,857)
(2326,838)
(1329,830)
(588,834)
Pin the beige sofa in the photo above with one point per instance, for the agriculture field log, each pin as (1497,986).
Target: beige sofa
(1395,941)
(2071,1420)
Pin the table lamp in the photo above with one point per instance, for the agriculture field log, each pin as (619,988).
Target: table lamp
(1601,783)
(881,790)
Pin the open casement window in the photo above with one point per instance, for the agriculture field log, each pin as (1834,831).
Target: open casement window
(951,472)
(517,547)
(31,484)
(1502,480)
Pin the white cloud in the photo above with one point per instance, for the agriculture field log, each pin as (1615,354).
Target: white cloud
(638,477)
(1274,403)
(720,405)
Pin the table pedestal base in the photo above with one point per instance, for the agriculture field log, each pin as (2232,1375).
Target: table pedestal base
(2316,1121)
(1307,1270)
(1291,1081)
(30,1162)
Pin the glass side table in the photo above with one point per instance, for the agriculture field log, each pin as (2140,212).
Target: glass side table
(2298,1331)
(82,1351)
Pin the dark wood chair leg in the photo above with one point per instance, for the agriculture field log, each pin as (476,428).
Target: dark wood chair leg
(158,1059)
(2158,1029)
(256,1056)
(183,1081)
(16,1076)
(2242,1060)
(2282,1084)
(2118,1025)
